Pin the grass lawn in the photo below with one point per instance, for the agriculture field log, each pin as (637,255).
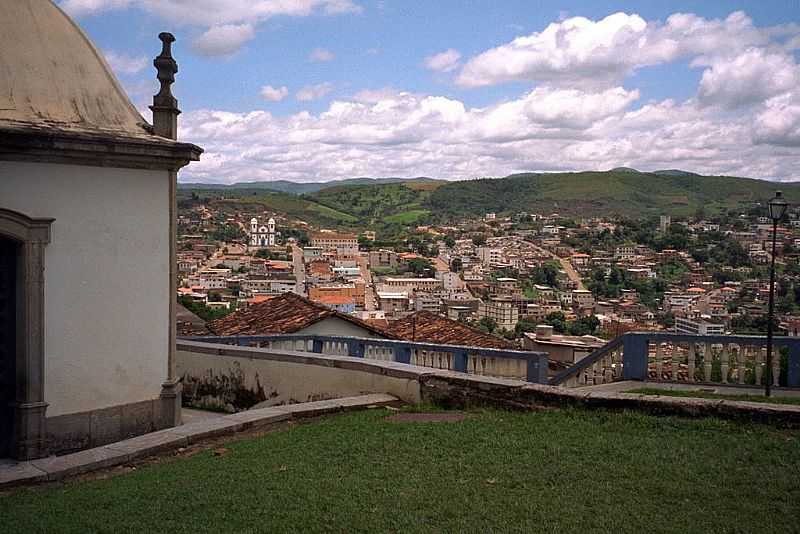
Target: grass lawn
(550,471)
(709,395)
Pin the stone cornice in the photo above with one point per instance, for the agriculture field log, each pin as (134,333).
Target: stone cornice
(94,148)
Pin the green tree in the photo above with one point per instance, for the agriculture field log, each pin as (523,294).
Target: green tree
(487,324)
(557,321)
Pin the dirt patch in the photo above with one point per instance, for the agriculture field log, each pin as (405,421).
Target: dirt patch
(435,417)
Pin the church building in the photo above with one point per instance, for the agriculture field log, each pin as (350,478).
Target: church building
(87,248)
(262,236)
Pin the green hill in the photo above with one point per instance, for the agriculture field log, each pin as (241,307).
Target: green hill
(604,193)
(301,188)
(263,200)
(401,203)
(622,191)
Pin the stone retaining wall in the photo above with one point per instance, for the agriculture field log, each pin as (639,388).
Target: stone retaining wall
(286,376)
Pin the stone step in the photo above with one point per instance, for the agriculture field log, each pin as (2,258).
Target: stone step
(121,452)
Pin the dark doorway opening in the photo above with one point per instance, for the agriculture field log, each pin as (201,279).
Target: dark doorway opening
(8,343)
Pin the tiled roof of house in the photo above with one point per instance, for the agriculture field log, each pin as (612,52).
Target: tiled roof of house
(189,324)
(428,327)
(285,314)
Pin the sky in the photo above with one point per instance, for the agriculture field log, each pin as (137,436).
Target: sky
(318,90)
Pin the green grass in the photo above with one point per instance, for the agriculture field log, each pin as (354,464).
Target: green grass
(551,471)
(407,217)
(708,395)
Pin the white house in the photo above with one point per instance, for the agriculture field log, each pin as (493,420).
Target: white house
(87,254)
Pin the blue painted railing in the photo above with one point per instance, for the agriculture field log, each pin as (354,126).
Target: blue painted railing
(523,365)
(666,356)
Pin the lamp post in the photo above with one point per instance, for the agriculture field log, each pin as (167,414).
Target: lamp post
(777,209)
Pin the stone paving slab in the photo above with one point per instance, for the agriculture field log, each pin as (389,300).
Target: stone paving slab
(310,409)
(80,462)
(374,399)
(58,467)
(260,417)
(210,428)
(20,473)
(151,443)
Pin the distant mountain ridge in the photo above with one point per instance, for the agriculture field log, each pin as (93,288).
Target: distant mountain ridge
(302,188)
(625,191)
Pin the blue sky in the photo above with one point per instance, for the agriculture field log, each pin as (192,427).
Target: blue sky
(486,107)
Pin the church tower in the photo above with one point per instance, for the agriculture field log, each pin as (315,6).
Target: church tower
(271,231)
(253,232)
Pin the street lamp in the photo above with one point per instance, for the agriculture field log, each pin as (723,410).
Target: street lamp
(777,209)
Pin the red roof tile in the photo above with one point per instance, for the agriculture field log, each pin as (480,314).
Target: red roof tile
(285,314)
(428,327)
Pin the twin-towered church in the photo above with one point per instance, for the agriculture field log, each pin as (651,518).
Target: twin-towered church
(262,236)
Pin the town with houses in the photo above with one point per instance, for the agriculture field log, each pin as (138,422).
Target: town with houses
(527,280)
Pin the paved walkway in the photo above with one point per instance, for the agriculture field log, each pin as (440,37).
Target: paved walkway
(198,425)
(627,385)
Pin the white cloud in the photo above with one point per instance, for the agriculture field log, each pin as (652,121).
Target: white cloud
(779,122)
(578,50)
(274,94)
(224,22)
(217,12)
(748,78)
(313,92)
(88,7)
(321,54)
(387,132)
(443,61)
(223,40)
(125,64)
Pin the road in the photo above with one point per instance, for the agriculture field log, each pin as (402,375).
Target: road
(369,290)
(570,271)
(299,269)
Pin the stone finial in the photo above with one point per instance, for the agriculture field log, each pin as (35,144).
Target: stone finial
(165,105)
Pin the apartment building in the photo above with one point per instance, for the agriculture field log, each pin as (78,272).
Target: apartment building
(502,309)
(686,325)
(412,284)
(342,244)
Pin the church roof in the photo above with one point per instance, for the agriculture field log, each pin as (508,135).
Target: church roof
(56,90)
(52,75)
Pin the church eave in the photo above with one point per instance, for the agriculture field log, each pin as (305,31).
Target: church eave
(94,148)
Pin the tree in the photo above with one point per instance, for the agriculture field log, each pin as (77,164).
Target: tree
(586,325)
(524,325)
(546,274)
(420,266)
(456,265)
(478,240)
(557,321)
(449,241)
(487,324)
(228,232)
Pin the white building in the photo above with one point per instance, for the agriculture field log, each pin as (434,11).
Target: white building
(87,249)
(502,309)
(342,244)
(262,235)
(685,325)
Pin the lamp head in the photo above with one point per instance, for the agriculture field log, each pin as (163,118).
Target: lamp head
(777,207)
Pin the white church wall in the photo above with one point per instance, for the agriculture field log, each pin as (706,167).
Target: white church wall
(106,279)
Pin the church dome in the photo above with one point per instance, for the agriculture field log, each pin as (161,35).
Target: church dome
(52,76)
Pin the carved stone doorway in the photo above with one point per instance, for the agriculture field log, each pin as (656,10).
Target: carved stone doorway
(8,343)
(22,414)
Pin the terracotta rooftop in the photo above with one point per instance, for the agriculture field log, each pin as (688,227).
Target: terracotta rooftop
(333,300)
(286,314)
(428,327)
(188,323)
